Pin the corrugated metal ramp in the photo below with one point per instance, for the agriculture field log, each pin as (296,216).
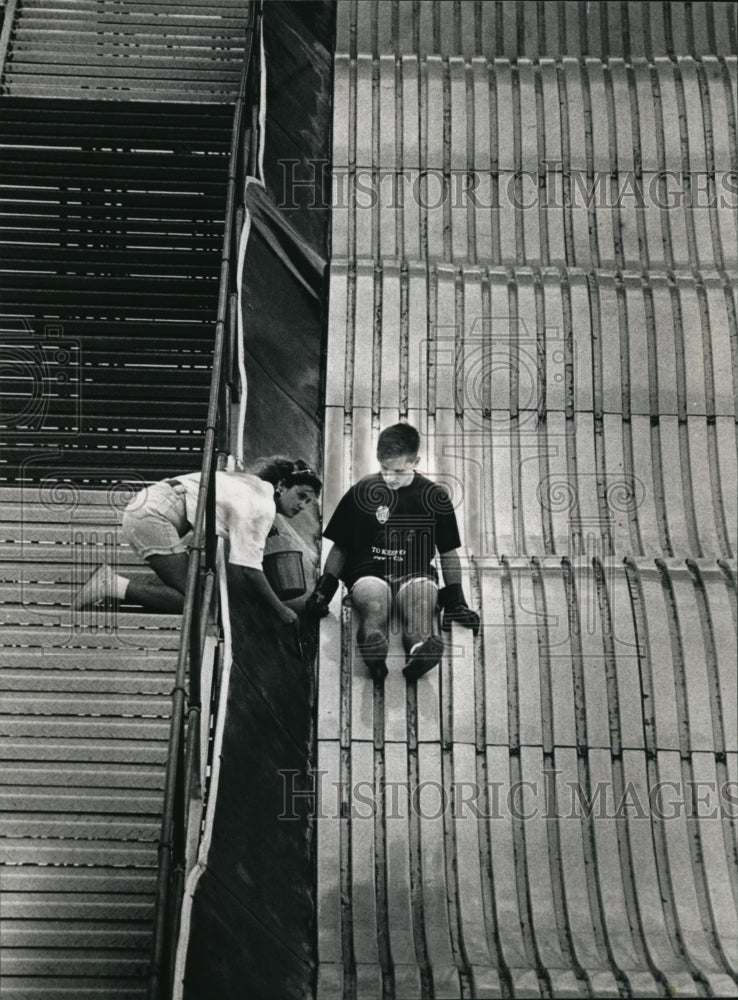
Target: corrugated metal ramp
(551,813)
(110,234)
(182,50)
(84,728)
(111,228)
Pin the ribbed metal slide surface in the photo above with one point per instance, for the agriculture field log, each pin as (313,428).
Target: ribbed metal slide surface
(509,29)
(84,728)
(552,813)
(183,50)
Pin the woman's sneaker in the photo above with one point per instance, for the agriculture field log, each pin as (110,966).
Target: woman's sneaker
(98,588)
(423,656)
(374,648)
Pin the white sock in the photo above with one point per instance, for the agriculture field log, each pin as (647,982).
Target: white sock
(120,586)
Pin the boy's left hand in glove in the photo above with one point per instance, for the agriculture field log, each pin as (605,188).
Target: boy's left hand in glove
(456,610)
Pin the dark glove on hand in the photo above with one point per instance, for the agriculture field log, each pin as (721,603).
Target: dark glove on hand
(456,610)
(317,604)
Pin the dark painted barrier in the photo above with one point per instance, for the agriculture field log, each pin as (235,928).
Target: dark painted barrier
(283,320)
(252,928)
(283,338)
(254,907)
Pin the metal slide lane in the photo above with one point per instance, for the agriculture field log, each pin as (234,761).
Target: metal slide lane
(550,813)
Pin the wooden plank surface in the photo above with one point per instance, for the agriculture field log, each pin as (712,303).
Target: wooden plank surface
(702,494)
(721,389)
(666,358)
(506,161)
(527,677)
(610,350)
(389,338)
(559,494)
(638,366)
(616,905)
(663,713)
(696,680)
(481,157)
(596,700)
(495,648)
(684,876)
(336,346)
(395,689)
(362,369)
(388,160)
(432,118)
(643,470)
(655,935)
(329,829)
(539,878)
(399,888)
(728,477)
(471,905)
(574,871)
(458,160)
(582,341)
(503,850)
(559,654)
(621,535)
(628,683)
(712,832)
(551,136)
(433,872)
(554,342)
(605,212)
(363,871)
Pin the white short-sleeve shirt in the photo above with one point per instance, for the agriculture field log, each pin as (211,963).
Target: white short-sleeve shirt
(244,513)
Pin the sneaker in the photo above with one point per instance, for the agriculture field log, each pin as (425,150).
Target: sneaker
(374,648)
(377,669)
(423,656)
(98,588)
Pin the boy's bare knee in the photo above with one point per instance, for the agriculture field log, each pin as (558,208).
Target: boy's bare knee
(371,593)
(376,606)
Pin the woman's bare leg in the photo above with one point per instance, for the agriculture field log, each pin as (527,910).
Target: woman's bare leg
(165,591)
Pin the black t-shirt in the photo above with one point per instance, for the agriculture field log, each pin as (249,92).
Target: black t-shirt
(393,533)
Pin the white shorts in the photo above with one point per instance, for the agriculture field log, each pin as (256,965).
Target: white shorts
(155,521)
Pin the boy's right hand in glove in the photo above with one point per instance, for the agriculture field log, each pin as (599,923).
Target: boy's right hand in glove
(317,604)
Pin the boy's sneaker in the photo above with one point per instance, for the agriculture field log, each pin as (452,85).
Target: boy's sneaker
(374,647)
(99,587)
(423,656)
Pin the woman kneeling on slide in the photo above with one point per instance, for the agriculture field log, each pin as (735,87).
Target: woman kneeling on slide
(158,518)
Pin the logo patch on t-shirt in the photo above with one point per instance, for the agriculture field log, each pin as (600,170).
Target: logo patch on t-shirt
(383,514)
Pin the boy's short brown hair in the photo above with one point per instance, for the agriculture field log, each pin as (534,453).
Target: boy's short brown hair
(399,439)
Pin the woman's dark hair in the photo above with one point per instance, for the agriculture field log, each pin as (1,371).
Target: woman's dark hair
(276,469)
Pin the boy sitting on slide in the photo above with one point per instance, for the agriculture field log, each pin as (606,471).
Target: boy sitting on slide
(385,531)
